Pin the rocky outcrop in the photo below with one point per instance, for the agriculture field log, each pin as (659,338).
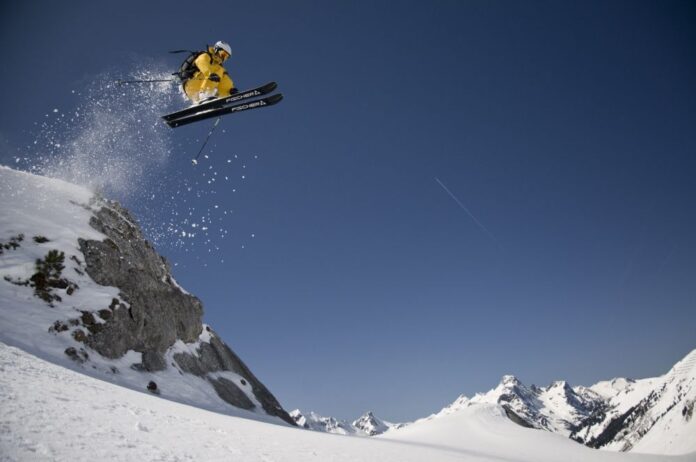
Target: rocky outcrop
(152,313)
(215,356)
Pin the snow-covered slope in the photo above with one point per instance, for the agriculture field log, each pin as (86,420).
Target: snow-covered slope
(480,426)
(81,287)
(50,413)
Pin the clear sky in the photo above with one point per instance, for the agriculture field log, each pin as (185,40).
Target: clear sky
(450,191)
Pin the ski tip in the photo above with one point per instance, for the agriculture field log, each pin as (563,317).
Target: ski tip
(273,99)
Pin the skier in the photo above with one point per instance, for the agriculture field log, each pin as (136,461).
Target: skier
(206,78)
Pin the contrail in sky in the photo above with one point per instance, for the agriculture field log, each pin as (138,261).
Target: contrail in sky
(463,207)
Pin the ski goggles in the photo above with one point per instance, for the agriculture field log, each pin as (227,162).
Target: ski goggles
(223,54)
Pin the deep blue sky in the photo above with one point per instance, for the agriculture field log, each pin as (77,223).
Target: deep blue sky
(567,129)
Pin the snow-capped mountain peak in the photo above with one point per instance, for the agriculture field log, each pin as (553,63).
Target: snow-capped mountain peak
(370,425)
(509,381)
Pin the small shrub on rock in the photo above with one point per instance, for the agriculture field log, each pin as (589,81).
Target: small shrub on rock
(52,264)
(79,335)
(48,277)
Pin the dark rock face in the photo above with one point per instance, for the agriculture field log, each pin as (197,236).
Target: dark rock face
(515,418)
(231,393)
(216,356)
(159,313)
(153,312)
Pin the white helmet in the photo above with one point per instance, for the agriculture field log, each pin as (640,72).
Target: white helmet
(220,45)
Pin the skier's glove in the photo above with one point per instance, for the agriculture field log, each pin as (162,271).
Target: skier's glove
(214,77)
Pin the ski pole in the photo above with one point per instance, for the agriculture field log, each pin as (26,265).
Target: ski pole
(122,82)
(195,160)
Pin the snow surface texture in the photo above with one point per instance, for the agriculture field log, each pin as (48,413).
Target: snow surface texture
(50,413)
(52,214)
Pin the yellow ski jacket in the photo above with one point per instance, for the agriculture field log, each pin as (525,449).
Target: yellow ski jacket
(200,86)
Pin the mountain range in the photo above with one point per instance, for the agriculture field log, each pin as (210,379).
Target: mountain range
(365,425)
(653,415)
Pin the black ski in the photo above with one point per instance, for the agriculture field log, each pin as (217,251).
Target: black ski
(258,91)
(220,111)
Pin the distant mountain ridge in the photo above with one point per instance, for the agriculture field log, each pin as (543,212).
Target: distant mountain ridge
(365,425)
(653,415)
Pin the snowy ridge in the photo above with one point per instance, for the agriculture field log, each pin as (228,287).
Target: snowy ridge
(609,388)
(685,368)
(556,408)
